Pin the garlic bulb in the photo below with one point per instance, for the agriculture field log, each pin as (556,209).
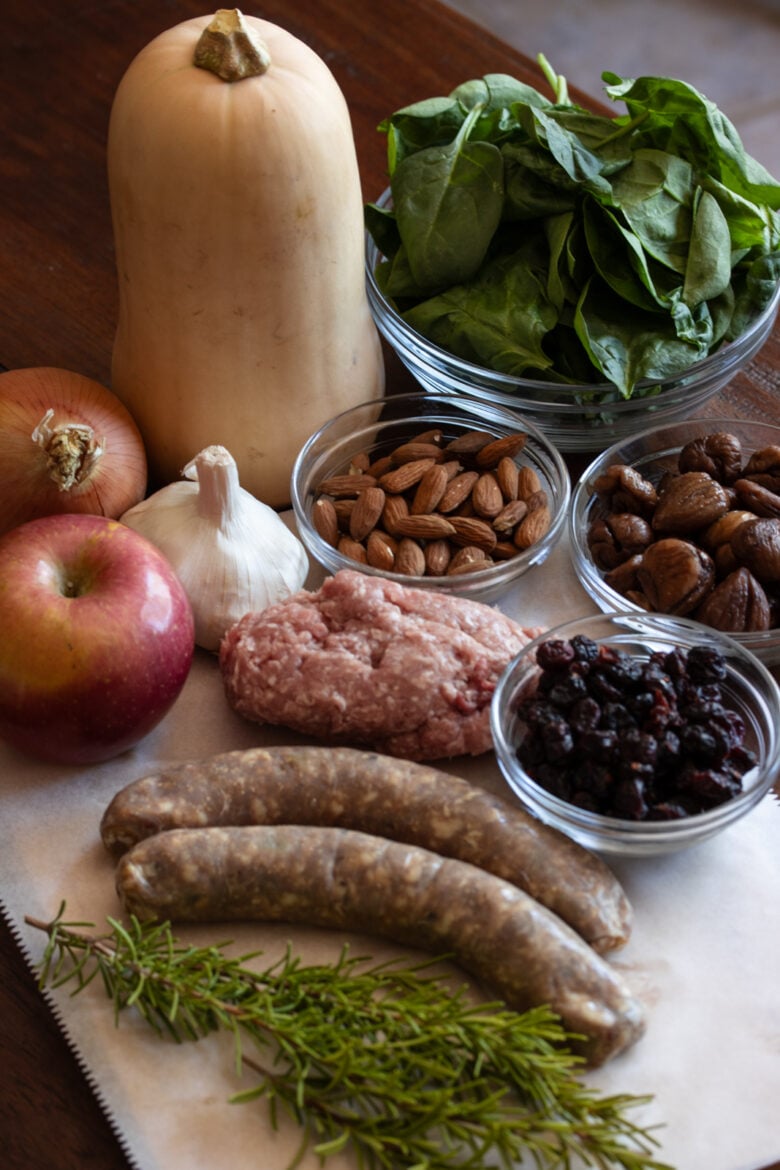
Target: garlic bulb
(232,553)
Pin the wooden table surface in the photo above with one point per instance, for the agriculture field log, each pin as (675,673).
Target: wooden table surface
(59,68)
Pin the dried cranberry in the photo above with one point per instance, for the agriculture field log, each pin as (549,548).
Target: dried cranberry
(698,742)
(629,800)
(585,649)
(592,777)
(585,714)
(555,654)
(598,745)
(706,664)
(558,741)
(568,691)
(708,786)
(616,716)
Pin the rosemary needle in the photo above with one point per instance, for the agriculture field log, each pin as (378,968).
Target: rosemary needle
(385,1059)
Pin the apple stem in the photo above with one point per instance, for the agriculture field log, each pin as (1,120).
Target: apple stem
(72,450)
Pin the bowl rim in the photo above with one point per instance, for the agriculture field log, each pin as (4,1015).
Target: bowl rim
(485,413)
(598,825)
(727,358)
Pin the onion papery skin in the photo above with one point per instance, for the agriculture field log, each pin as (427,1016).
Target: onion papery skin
(116,480)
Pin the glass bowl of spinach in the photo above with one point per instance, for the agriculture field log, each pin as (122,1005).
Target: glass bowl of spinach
(588,270)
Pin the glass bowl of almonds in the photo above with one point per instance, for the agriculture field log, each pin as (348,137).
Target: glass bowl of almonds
(431,491)
(636,733)
(685,520)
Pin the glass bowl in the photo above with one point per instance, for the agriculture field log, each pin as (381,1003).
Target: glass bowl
(576,418)
(654,452)
(748,688)
(381,425)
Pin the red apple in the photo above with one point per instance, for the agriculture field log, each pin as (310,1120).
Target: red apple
(96,638)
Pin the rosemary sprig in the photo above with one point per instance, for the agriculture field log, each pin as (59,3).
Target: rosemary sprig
(384,1058)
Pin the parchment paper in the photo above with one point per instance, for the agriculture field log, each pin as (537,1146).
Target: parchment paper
(705,954)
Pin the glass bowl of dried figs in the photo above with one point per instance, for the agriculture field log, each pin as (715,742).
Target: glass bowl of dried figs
(685,520)
(433,492)
(636,733)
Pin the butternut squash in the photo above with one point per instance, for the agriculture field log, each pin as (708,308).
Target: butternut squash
(238,227)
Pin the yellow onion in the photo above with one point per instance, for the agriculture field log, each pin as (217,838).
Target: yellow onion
(67,444)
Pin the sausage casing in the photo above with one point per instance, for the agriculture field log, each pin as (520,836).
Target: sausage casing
(388,797)
(351,881)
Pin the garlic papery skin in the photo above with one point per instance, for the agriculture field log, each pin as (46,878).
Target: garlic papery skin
(232,553)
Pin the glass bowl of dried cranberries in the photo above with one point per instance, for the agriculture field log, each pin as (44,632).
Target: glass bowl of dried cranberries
(685,519)
(636,733)
(433,492)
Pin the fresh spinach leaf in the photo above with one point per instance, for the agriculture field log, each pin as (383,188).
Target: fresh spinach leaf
(500,319)
(627,345)
(448,202)
(708,268)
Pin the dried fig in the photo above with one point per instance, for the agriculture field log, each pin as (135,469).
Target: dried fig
(623,578)
(737,605)
(756,545)
(724,528)
(718,454)
(613,539)
(689,503)
(624,490)
(758,498)
(675,575)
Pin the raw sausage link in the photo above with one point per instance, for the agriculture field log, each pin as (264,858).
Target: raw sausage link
(393,798)
(351,881)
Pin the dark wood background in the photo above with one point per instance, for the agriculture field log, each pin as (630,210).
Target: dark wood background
(60,64)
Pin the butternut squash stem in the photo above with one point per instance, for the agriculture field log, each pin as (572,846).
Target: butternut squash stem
(229,48)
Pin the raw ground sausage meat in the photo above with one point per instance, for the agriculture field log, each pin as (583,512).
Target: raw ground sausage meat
(368,662)
(404,801)
(350,881)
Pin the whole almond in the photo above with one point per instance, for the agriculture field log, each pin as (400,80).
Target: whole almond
(346,485)
(508,445)
(510,516)
(438,554)
(425,527)
(471,530)
(453,467)
(467,557)
(508,476)
(343,509)
(469,567)
(536,500)
(325,520)
(504,550)
(396,508)
(528,482)
(469,443)
(406,476)
(366,513)
(352,549)
(381,549)
(410,558)
(433,435)
(411,452)
(380,465)
(458,490)
(533,528)
(486,496)
(359,463)
(430,489)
